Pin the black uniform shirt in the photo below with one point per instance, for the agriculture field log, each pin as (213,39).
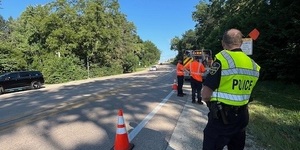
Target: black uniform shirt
(214,77)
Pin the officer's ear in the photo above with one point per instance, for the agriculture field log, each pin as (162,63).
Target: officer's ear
(224,45)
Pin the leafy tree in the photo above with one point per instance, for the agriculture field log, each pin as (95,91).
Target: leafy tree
(130,63)
(10,58)
(277,48)
(73,35)
(151,54)
(188,41)
(60,69)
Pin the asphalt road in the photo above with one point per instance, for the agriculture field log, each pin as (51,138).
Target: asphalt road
(83,114)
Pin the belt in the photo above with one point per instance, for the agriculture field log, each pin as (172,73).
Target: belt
(235,109)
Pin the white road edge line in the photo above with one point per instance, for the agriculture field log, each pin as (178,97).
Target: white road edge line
(141,125)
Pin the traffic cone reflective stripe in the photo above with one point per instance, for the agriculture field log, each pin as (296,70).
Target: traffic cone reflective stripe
(121,130)
(120,119)
(121,140)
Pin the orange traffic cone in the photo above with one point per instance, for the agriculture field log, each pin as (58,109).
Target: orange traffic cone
(121,140)
(174,86)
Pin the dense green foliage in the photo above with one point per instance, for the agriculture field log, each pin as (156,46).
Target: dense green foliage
(277,49)
(69,40)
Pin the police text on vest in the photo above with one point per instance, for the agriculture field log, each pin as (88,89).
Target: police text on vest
(242,84)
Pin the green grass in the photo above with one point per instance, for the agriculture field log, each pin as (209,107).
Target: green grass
(140,69)
(275,115)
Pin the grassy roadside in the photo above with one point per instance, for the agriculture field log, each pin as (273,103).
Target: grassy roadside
(141,69)
(275,115)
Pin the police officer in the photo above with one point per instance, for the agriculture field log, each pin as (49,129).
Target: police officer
(196,69)
(180,78)
(227,91)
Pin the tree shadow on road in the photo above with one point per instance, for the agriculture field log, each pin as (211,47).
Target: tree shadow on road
(148,139)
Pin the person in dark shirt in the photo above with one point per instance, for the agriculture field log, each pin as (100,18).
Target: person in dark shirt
(226,91)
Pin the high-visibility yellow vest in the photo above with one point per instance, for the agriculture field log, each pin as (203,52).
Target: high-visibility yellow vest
(239,75)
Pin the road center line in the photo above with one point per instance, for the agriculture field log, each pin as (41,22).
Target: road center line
(141,125)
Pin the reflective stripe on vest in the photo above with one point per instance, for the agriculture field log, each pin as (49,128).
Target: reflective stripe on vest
(239,75)
(233,97)
(198,70)
(233,70)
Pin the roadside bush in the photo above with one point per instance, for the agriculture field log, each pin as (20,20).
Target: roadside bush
(60,69)
(96,71)
(130,63)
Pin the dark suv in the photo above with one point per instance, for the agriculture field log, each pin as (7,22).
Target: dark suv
(11,81)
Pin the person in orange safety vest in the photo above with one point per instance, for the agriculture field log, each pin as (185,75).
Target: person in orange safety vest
(180,78)
(196,69)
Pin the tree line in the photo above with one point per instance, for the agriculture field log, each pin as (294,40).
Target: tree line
(73,39)
(277,49)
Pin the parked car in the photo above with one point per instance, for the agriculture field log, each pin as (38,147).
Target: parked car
(20,80)
(153,68)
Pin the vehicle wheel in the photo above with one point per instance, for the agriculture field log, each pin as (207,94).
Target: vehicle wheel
(35,85)
(1,90)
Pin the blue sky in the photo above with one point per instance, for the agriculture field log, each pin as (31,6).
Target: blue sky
(156,20)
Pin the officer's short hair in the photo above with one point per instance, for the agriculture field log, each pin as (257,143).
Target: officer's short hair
(233,38)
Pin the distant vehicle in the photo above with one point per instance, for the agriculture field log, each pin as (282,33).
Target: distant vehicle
(206,60)
(153,68)
(20,80)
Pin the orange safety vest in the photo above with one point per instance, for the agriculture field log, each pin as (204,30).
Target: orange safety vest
(180,69)
(196,69)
